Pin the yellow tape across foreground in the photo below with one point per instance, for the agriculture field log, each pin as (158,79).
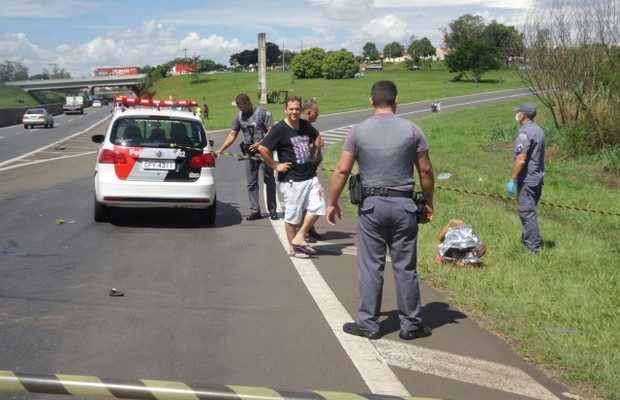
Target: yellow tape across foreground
(91,386)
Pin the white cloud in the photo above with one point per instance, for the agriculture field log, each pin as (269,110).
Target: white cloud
(347,10)
(453,3)
(386,29)
(48,9)
(17,47)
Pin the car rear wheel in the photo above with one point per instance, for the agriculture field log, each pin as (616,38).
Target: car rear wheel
(25,126)
(102,212)
(52,124)
(208,215)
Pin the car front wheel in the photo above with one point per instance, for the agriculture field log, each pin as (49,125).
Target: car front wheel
(101,212)
(25,126)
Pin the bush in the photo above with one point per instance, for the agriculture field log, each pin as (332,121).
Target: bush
(340,64)
(308,64)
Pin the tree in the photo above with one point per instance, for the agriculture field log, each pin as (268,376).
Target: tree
(13,71)
(340,64)
(152,75)
(465,27)
(58,73)
(574,52)
(308,63)
(393,50)
(475,56)
(506,40)
(250,57)
(476,47)
(272,54)
(421,48)
(370,52)
(245,58)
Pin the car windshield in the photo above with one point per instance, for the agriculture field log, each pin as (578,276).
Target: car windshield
(158,132)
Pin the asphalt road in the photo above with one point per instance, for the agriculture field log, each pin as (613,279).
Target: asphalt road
(16,141)
(214,304)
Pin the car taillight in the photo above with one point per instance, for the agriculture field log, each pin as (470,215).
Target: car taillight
(203,161)
(112,157)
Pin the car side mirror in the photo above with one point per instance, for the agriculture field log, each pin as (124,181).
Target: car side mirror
(211,142)
(97,138)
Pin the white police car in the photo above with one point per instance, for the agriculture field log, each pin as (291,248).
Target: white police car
(155,154)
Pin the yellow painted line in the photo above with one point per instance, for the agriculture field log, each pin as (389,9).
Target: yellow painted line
(253,393)
(79,385)
(10,383)
(170,390)
(339,395)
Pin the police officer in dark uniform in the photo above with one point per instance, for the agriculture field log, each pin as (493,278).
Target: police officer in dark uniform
(386,148)
(527,175)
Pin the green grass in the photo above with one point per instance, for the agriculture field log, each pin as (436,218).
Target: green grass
(560,310)
(220,90)
(14,97)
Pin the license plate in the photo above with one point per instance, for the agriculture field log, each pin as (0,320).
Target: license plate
(158,164)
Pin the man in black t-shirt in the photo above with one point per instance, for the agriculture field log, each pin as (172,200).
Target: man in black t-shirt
(296,141)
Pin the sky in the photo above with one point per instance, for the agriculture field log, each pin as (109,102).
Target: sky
(82,35)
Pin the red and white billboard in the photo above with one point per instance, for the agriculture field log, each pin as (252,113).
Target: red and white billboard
(117,71)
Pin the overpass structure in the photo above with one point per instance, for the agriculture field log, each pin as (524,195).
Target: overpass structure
(79,83)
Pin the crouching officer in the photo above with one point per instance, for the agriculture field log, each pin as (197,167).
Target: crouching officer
(386,148)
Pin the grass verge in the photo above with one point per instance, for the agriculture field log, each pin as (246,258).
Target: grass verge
(560,310)
(219,90)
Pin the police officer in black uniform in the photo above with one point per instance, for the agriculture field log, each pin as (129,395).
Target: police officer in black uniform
(386,148)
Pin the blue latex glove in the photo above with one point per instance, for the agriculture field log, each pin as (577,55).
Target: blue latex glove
(510,187)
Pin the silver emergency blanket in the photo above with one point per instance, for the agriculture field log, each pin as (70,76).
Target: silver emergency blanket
(459,245)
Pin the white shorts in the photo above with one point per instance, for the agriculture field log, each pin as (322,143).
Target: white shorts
(302,196)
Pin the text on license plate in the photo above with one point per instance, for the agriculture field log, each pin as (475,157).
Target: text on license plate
(158,164)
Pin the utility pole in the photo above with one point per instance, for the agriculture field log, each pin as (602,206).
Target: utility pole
(262,67)
(185,52)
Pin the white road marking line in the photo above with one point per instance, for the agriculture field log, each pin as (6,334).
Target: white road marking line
(53,144)
(23,164)
(371,358)
(461,368)
(373,370)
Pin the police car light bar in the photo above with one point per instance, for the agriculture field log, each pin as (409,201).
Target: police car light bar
(132,102)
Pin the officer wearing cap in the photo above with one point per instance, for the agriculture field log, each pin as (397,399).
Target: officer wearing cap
(527,175)
(386,148)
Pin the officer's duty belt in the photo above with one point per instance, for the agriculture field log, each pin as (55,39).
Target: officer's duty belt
(385,192)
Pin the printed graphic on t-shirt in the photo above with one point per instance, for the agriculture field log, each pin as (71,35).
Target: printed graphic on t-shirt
(302,151)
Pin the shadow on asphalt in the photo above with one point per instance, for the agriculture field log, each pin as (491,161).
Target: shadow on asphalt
(227,215)
(434,314)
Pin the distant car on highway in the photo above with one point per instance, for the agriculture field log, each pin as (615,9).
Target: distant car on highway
(37,116)
(374,67)
(413,68)
(96,103)
(155,154)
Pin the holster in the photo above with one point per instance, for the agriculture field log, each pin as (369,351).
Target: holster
(356,190)
(420,201)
